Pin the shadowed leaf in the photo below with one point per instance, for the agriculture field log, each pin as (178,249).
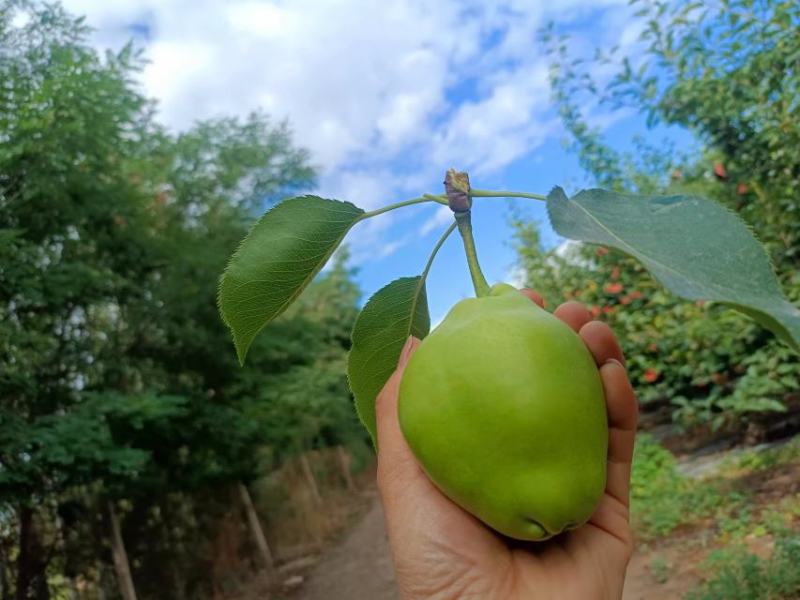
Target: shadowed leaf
(695,247)
(395,312)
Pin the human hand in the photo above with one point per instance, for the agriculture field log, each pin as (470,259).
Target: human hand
(442,552)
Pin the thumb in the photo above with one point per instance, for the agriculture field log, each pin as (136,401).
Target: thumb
(396,463)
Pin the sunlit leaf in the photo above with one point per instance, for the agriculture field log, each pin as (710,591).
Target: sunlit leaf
(280,256)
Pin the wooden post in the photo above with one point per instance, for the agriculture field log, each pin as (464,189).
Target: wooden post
(309,475)
(256,531)
(121,564)
(344,463)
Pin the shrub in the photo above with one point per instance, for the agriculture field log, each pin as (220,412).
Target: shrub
(743,575)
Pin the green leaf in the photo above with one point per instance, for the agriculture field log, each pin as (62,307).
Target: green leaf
(395,312)
(695,247)
(280,256)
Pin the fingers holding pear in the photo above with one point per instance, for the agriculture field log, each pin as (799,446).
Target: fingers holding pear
(396,464)
(602,342)
(574,314)
(535,296)
(623,411)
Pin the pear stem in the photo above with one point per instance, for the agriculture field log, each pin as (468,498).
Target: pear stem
(420,200)
(505,194)
(464,221)
(435,250)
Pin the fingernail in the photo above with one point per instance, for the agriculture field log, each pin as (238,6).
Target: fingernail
(613,361)
(406,351)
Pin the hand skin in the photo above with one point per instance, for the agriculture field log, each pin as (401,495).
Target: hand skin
(441,552)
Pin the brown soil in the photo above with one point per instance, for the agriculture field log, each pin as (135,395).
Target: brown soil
(359,567)
(671,567)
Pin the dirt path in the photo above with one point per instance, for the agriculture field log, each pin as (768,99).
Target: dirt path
(359,567)
(641,583)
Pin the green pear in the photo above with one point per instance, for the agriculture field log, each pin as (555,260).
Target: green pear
(503,406)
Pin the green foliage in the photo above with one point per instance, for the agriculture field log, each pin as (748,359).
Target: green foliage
(659,568)
(278,259)
(655,488)
(391,315)
(662,499)
(303,402)
(736,573)
(113,232)
(694,57)
(690,356)
(710,365)
(759,460)
(686,245)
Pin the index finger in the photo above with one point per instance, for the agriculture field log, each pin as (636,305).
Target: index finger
(623,411)
(602,342)
(534,295)
(621,405)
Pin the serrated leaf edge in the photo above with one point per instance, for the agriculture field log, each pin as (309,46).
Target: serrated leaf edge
(243,347)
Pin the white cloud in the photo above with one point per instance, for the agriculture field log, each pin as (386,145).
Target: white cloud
(569,250)
(517,277)
(487,134)
(368,189)
(442,216)
(20,19)
(358,80)
(386,95)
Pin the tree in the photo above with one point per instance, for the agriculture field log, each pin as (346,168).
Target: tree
(709,69)
(729,73)
(113,391)
(306,403)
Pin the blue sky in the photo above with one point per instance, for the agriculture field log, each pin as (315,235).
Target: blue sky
(538,171)
(386,96)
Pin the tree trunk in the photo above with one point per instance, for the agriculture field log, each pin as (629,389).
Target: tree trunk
(41,588)
(121,564)
(5,589)
(309,475)
(344,463)
(256,531)
(25,557)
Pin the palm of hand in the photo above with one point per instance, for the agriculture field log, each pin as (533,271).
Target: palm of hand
(443,552)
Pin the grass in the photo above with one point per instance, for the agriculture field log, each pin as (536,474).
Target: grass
(659,568)
(740,574)
(731,511)
(751,460)
(662,499)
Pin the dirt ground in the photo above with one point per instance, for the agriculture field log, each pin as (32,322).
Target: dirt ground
(361,567)
(358,565)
